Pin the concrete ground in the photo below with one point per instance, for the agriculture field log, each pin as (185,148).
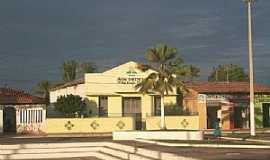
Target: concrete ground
(82,158)
(209,153)
(200,153)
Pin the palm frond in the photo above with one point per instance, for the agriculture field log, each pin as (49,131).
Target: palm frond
(143,67)
(147,84)
(152,56)
(163,80)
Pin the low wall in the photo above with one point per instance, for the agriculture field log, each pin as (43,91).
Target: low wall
(158,135)
(32,128)
(88,125)
(174,123)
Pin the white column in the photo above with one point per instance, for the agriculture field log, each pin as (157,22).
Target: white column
(43,115)
(162,114)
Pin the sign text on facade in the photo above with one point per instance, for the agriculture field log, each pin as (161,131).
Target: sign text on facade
(129,80)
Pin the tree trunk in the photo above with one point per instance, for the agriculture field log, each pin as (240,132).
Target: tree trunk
(162,114)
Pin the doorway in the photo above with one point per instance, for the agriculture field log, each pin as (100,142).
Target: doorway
(212,116)
(237,117)
(266,117)
(132,108)
(9,119)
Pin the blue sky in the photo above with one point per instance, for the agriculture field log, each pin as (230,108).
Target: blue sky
(36,36)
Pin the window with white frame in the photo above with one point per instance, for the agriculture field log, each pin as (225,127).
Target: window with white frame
(31,116)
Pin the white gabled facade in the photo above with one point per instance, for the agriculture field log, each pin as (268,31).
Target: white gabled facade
(76,89)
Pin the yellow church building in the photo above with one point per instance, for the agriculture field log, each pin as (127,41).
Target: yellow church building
(113,94)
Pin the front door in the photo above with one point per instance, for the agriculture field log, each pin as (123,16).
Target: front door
(212,116)
(9,119)
(266,122)
(132,107)
(238,117)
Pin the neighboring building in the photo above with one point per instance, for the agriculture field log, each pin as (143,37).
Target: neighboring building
(229,102)
(76,87)
(112,94)
(21,112)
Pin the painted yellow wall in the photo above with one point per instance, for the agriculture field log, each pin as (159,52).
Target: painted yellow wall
(107,83)
(114,106)
(225,116)
(146,105)
(88,125)
(202,111)
(192,103)
(174,122)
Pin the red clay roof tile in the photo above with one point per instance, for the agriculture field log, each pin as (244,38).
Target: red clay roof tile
(224,87)
(12,96)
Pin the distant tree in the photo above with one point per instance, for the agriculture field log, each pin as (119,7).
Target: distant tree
(179,68)
(69,69)
(85,67)
(70,105)
(183,71)
(228,73)
(42,89)
(193,72)
(72,69)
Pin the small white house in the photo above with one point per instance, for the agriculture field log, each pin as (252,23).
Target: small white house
(21,112)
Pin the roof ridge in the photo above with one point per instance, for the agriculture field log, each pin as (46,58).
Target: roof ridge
(15,96)
(232,87)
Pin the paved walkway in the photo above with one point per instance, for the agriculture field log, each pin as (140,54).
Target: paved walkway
(205,153)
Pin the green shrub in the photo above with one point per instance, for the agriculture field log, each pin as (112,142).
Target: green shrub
(174,109)
(70,105)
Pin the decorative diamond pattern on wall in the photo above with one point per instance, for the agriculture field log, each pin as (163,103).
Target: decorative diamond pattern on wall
(120,124)
(184,123)
(69,125)
(94,125)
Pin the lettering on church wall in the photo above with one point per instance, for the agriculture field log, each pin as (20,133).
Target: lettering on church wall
(129,80)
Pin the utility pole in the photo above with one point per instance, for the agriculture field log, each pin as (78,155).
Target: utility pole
(216,74)
(227,73)
(251,74)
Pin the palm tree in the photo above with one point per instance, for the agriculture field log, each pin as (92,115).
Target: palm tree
(179,68)
(194,72)
(43,90)
(85,67)
(69,69)
(161,80)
